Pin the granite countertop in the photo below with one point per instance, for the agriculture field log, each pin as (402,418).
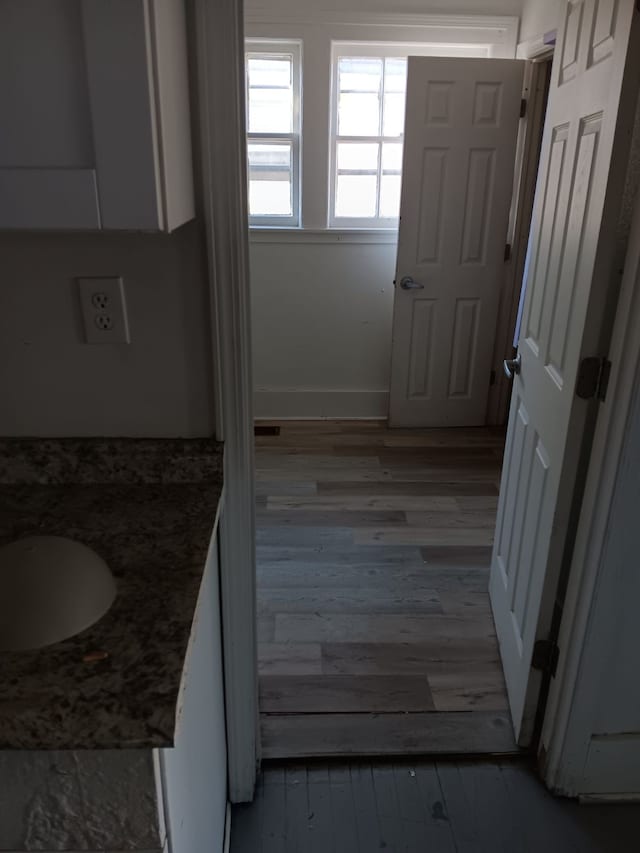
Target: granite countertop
(148,507)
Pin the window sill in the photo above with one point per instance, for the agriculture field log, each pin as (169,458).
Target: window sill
(376,236)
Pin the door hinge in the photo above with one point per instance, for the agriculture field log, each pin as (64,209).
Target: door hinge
(507,252)
(492,378)
(545,656)
(593,378)
(523,108)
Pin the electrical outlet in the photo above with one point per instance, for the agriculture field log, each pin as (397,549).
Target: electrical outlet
(104,310)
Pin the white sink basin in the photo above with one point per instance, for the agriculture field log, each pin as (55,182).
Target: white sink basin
(50,589)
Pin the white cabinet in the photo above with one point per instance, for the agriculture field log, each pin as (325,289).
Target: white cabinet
(194,771)
(94,107)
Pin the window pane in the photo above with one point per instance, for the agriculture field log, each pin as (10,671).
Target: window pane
(393,119)
(270,181)
(356,195)
(270,71)
(274,156)
(359,74)
(270,95)
(390,196)
(270,111)
(359,115)
(395,84)
(355,155)
(395,75)
(392,156)
(270,198)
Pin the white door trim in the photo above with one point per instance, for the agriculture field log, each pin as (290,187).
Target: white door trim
(220,54)
(558,737)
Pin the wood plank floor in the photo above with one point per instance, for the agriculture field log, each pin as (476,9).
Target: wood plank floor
(375,631)
(421,807)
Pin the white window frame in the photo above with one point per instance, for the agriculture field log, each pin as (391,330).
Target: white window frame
(277,47)
(381,50)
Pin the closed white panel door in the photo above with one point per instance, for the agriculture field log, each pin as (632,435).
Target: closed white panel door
(573,231)
(460,135)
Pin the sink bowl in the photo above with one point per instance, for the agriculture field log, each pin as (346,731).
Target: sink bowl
(50,589)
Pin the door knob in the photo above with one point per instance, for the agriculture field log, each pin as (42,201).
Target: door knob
(407,283)
(512,366)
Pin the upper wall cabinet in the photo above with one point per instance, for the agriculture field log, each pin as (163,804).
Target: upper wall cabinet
(94,112)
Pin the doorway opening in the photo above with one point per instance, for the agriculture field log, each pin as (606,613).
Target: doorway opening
(375,630)
(374,544)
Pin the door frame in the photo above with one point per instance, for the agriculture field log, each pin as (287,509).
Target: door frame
(220,53)
(223,196)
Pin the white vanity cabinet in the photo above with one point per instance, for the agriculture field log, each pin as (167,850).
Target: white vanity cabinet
(94,106)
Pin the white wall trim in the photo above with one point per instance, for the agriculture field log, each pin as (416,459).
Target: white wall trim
(328,235)
(220,54)
(301,404)
(506,24)
(540,47)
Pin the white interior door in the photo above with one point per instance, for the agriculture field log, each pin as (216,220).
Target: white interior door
(576,210)
(460,136)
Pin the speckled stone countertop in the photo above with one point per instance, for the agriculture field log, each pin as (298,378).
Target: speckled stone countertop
(148,507)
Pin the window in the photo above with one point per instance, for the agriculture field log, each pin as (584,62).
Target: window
(368,125)
(344,183)
(273,132)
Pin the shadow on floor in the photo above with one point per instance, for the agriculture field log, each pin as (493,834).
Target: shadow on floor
(422,807)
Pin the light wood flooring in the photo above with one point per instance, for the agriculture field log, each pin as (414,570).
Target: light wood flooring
(422,807)
(373,551)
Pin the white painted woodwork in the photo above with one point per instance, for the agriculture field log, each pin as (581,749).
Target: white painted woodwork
(95,94)
(573,237)
(460,136)
(591,729)
(220,55)
(194,771)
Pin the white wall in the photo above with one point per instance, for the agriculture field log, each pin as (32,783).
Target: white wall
(52,383)
(321,328)
(539,17)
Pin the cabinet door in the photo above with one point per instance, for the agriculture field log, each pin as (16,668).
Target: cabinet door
(47,164)
(94,99)
(194,772)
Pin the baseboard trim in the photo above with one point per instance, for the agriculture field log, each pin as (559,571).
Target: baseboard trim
(277,404)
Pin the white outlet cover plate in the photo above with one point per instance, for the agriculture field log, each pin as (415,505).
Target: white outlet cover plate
(104,310)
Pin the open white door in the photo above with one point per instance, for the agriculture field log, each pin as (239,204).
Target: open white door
(565,319)
(460,136)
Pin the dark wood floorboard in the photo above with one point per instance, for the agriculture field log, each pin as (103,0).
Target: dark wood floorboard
(375,630)
(409,806)
(442,733)
(344,694)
